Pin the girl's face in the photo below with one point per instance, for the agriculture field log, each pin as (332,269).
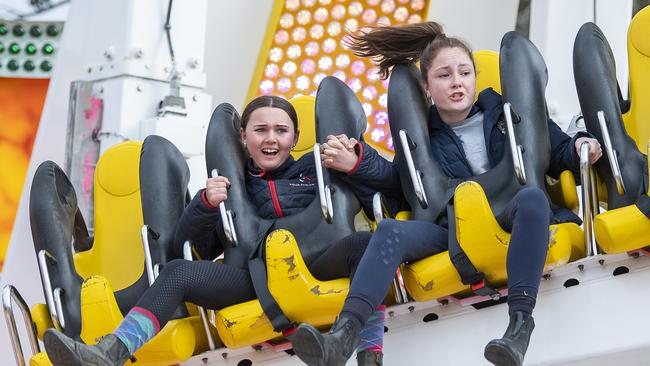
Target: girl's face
(269,137)
(451,84)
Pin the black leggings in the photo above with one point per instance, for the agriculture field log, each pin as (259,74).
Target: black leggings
(526,217)
(216,285)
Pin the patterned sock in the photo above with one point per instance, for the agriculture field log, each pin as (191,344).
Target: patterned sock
(139,326)
(372,336)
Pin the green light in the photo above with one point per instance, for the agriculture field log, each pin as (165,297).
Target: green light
(52,30)
(29,65)
(14,48)
(46,66)
(2,47)
(19,30)
(3,29)
(30,49)
(48,49)
(13,65)
(35,31)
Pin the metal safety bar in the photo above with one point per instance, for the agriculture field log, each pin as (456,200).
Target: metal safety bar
(53,302)
(11,296)
(416,177)
(612,156)
(226,218)
(324,190)
(148,263)
(380,211)
(187,255)
(515,149)
(589,199)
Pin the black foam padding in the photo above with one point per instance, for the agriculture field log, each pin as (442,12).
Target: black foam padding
(337,111)
(594,70)
(523,81)
(52,212)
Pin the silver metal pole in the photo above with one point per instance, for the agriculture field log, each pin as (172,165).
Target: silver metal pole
(148,263)
(9,295)
(587,198)
(187,255)
(324,191)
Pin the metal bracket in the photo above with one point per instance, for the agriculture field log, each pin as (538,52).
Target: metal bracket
(52,297)
(416,178)
(515,149)
(612,156)
(226,218)
(324,190)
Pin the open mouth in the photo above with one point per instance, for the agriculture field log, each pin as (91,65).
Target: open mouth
(457,96)
(270,152)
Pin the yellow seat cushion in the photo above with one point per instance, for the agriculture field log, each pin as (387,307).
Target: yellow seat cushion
(300,296)
(622,230)
(485,244)
(118,219)
(305,107)
(487,71)
(638,54)
(100,315)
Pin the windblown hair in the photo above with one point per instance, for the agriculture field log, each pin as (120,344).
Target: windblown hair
(388,46)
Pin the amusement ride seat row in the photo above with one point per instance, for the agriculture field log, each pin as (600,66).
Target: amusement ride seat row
(90,281)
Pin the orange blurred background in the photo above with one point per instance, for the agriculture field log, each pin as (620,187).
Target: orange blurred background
(21,103)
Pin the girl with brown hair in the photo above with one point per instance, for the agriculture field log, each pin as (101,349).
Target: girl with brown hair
(466,140)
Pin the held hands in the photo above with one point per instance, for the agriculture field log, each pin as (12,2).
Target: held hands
(216,190)
(338,153)
(595,151)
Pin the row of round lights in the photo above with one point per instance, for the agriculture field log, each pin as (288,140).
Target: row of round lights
(308,45)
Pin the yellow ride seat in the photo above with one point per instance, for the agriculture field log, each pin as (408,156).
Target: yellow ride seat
(112,267)
(622,229)
(638,54)
(302,297)
(293,239)
(486,245)
(482,239)
(304,106)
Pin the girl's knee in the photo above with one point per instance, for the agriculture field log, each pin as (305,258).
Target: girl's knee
(532,200)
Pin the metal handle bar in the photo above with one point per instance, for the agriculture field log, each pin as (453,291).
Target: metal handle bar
(416,178)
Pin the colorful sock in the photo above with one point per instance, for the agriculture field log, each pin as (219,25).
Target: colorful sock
(139,326)
(372,336)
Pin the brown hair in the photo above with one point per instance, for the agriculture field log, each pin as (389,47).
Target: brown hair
(392,45)
(269,101)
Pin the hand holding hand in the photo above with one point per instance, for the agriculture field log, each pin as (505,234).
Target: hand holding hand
(338,153)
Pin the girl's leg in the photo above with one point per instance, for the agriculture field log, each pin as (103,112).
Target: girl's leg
(341,260)
(394,242)
(527,218)
(204,283)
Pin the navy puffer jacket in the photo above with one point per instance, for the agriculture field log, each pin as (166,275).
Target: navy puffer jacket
(284,191)
(447,149)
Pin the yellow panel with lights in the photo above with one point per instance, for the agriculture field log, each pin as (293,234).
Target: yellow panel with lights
(304,43)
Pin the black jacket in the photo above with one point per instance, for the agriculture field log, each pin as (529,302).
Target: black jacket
(448,151)
(284,191)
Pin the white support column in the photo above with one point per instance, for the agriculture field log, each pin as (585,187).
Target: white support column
(122,47)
